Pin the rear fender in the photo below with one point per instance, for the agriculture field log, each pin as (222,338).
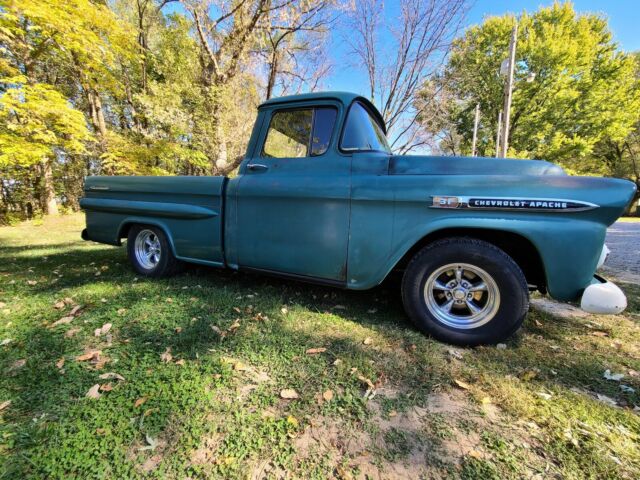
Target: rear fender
(128,222)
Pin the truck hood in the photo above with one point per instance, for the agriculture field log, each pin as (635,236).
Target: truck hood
(439,165)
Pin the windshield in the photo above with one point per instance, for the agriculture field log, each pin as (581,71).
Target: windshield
(362,132)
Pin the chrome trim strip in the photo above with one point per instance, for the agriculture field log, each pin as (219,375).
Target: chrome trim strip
(514,204)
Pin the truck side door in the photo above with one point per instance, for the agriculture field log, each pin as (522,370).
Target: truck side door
(293,198)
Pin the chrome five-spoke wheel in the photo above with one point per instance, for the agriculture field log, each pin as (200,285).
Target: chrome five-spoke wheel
(148,249)
(461,295)
(465,291)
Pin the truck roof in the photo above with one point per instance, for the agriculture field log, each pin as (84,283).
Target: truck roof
(344,97)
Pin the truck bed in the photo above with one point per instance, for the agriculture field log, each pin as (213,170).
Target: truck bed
(189,209)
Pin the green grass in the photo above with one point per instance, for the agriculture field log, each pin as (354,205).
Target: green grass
(213,410)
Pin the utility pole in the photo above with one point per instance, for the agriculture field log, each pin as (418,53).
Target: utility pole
(475,130)
(508,90)
(498,134)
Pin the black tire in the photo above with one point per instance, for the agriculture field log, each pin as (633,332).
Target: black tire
(166,265)
(502,317)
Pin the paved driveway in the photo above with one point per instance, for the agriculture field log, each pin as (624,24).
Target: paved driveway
(623,238)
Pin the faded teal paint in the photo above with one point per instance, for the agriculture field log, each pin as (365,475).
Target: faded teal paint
(187,208)
(350,217)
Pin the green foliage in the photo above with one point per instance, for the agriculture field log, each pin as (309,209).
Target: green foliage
(36,121)
(584,91)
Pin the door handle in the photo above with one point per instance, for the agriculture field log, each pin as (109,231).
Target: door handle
(257,167)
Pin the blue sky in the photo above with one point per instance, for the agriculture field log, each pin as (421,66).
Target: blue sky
(623,16)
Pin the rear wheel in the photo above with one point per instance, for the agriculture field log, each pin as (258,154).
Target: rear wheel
(465,291)
(150,253)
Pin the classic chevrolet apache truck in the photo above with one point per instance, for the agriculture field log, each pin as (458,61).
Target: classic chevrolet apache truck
(320,197)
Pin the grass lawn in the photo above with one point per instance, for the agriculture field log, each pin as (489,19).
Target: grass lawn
(192,373)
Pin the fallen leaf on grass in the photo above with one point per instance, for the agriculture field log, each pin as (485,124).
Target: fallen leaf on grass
(461,384)
(166,356)
(599,333)
(393,413)
(234,326)
(616,377)
(284,310)
(59,305)
(90,355)
(501,346)
(60,363)
(367,341)
(546,396)
(240,367)
(627,389)
(455,353)
(18,364)
(102,330)
(152,444)
(32,282)
(289,394)
(314,351)
(528,375)
(367,381)
(177,329)
(606,400)
(94,392)
(181,362)
(6,341)
(107,387)
(474,454)
(71,332)
(111,376)
(4,404)
(122,311)
(485,400)
(62,321)
(75,311)
(140,401)
(327,395)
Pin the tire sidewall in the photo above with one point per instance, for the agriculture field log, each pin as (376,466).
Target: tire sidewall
(514,297)
(165,251)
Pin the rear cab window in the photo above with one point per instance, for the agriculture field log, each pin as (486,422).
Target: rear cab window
(299,133)
(362,132)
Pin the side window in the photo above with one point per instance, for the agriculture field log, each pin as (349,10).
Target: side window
(362,132)
(290,132)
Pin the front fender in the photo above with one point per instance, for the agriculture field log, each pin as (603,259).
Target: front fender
(569,249)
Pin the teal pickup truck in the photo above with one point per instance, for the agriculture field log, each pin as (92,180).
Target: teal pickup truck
(319,197)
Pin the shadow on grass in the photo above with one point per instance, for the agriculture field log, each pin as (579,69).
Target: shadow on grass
(52,431)
(50,423)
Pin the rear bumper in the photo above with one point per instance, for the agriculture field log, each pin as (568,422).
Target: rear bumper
(603,297)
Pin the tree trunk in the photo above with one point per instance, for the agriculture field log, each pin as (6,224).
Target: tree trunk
(273,72)
(214,101)
(49,202)
(97,114)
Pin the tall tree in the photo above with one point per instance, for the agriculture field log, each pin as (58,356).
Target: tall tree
(294,46)
(573,87)
(396,69)
(46,42)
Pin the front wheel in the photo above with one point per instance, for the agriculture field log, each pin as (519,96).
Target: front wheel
(465,291)
(150,253)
